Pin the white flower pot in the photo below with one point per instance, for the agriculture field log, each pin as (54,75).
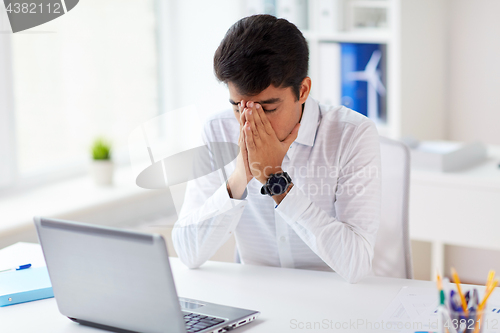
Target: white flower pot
(102,172)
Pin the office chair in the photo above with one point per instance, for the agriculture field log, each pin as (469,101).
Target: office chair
(392,257)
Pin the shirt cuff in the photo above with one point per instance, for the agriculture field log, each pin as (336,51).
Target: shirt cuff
(224,202)
(294,204)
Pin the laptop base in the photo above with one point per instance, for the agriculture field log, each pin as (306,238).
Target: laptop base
(102,327)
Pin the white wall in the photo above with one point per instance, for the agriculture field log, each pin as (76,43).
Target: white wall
(193,29)
(474,71)
(423,68)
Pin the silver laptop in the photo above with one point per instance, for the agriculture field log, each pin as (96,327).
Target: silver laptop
(121,281)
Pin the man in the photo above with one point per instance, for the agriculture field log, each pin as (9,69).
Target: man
(304,190)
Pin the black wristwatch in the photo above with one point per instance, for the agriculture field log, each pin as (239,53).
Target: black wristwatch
(276,184)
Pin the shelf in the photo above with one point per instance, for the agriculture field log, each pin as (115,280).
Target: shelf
(378,37)
(371,4)
(416,89)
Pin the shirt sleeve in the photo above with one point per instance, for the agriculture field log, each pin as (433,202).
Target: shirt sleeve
(207,219)
(345,242)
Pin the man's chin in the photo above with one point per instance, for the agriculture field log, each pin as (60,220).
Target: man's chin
(282,137)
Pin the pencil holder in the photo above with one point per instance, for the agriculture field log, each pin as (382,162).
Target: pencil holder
(458,322)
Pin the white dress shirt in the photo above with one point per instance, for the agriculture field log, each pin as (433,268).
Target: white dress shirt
(327,221)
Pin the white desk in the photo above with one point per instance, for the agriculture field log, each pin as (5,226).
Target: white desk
(281,295)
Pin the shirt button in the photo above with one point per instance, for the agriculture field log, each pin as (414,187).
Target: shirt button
(283,239)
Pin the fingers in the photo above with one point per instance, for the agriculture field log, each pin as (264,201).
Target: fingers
(242,120)
(249,138)
(251,120)
(265,122)
(256,109)
(243,148)
(242,142)
(292,136)
(241,108)
(241,139)
(255,123)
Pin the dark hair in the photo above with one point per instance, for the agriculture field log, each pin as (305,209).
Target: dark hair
(261,50)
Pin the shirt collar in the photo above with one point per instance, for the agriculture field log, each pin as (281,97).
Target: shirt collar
(308,123)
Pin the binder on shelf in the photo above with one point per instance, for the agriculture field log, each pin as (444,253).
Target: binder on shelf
(329,75)
(270,7)
(254,7)
(363,79)
(367,15)
(295,11)
(330,16)
(25,286)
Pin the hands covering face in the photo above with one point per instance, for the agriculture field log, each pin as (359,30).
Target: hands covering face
(261,150)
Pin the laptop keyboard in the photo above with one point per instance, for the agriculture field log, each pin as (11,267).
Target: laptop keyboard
(195,322)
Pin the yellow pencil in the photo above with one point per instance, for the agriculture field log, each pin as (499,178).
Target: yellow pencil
(491,275)
(487,295)
(462,297)
(439,283)
(489,289)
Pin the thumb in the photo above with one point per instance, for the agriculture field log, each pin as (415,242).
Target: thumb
(292,136)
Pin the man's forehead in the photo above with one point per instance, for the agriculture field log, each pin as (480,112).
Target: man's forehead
(273,100)
(270,95)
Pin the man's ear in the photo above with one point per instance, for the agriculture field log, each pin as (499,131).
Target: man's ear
(305,89)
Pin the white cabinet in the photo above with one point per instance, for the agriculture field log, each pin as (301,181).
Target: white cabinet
(458,208)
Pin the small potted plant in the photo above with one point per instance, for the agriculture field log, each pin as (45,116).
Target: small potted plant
(102,166)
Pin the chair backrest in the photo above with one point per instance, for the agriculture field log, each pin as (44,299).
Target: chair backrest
(392,257)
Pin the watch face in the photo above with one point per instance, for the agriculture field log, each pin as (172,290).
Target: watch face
(278,185)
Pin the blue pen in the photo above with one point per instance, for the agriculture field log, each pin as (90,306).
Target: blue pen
(18,268)
(456,310)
